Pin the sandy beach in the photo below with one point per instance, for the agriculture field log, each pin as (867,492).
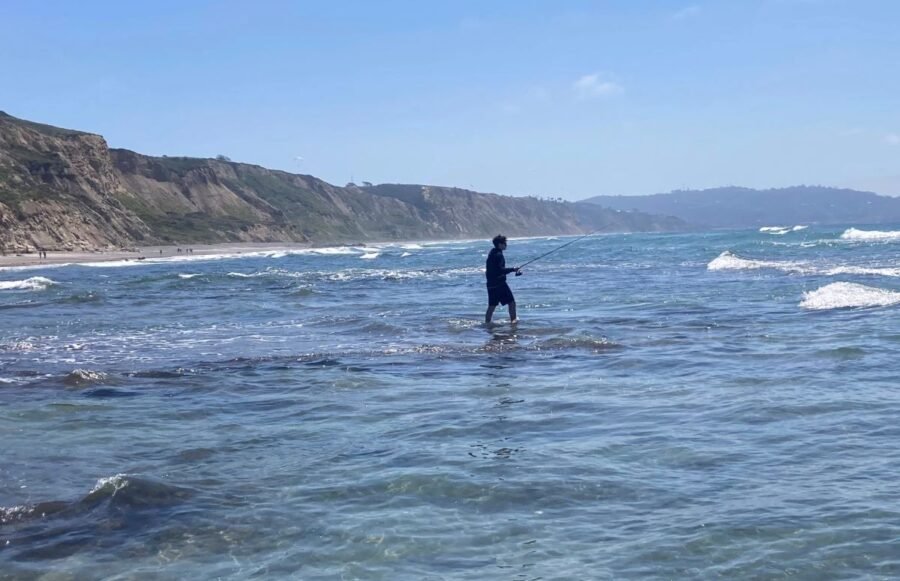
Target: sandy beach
(142,253)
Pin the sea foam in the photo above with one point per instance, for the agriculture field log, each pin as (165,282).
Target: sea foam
(842,295)
(865,270)
(871,235)
(730,261)
(33,283)
(781,230)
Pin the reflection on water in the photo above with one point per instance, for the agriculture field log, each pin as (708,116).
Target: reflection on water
(320,416)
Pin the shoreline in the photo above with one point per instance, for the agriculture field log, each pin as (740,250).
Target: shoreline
(32,260)
(58,258)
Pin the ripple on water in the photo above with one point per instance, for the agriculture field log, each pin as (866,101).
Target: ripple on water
(114,510)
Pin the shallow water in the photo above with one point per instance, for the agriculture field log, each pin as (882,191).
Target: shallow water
(674,405)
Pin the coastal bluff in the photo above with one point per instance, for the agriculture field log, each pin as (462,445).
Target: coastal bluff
(62,189)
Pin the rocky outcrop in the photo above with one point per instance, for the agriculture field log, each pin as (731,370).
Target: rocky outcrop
(66,189)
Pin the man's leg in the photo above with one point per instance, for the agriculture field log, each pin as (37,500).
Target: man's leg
(512,312)
(489,313)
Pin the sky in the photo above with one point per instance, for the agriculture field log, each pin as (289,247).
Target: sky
(555,98)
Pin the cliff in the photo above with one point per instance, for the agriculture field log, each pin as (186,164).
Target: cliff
(64,189)
(59,189)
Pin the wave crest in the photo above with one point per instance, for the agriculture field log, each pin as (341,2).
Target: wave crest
(80,377)
(36,283)
(730,261)
(124,490)
(871,235)
(843,295)
(781,230)
(119,492)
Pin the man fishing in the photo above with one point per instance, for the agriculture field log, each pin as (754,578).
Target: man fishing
(495,271)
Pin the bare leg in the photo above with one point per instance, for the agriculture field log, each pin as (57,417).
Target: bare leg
(512,312)
(489,314)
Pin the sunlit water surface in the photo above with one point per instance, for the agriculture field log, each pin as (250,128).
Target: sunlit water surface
(675,405)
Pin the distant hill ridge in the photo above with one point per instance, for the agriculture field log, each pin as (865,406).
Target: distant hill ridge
(735,207)
(66,189)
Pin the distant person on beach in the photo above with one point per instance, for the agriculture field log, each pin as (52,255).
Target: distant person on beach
(495,271)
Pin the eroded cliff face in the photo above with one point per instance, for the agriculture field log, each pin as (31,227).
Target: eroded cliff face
(62,189)
(58,190)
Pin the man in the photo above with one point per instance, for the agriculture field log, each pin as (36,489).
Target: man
(495,271)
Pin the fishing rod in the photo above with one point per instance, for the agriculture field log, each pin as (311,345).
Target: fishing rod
(555,249)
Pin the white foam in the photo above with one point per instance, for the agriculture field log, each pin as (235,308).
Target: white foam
(781,230)
(369,255)
(871,235)
(842,295)
(188,276)
(352,274)
(331,250)
(18,345)
(117,482)
(281,253)
(33,283)
(729,261)
(882,271)
(405,254)
(116,263)
(33,267)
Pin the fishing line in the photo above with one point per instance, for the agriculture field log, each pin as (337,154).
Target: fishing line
(555,249)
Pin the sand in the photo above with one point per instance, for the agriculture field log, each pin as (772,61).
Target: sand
(76,257)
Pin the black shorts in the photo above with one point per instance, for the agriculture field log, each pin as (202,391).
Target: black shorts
(500,295)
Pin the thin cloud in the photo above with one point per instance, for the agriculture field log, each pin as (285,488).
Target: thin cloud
(892,139)
(595,86)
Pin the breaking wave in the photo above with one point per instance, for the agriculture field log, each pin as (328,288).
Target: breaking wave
(781,230)
(877,271)
(842,295)
(730,261)
(871,235)
(33,283)
(82,377)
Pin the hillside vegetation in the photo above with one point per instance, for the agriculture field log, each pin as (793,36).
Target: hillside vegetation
(64,189)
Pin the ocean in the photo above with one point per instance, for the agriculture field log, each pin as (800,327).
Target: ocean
(701,405)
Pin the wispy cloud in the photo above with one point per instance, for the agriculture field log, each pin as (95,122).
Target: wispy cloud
(892,139)
(595,86)
(686,12)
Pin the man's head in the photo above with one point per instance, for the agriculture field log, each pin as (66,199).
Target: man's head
(498,240)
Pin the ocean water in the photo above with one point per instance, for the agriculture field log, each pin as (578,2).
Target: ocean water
(703,405)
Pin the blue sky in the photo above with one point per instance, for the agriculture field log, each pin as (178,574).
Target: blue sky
(562,98)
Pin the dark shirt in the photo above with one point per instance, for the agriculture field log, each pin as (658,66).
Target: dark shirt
(495,268)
